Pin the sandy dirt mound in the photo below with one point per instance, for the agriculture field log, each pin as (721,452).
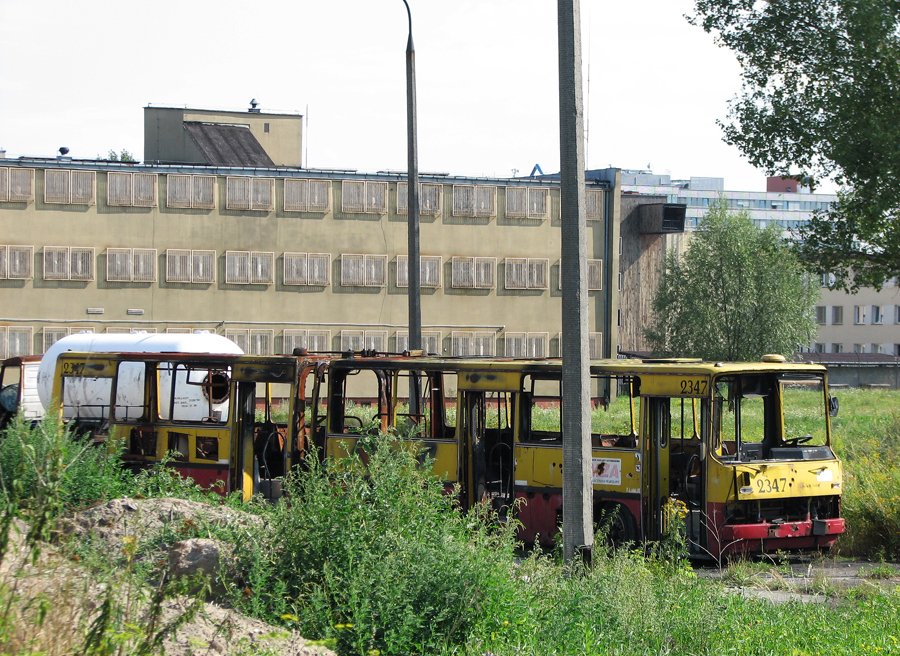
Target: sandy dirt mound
(77,596)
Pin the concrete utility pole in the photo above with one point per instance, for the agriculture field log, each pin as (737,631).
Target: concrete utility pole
(578,534)
(413,271)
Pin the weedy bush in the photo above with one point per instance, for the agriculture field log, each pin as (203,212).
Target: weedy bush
(370,554)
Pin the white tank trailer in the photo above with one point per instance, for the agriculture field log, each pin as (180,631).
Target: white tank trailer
(88,398)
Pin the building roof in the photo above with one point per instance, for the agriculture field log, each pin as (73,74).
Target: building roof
(228,145)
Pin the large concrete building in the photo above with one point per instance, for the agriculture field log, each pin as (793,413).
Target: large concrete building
(221,229)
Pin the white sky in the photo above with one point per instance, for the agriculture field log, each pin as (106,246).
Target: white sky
(77,73)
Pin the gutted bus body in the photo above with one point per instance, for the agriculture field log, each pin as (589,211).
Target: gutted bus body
(210,416)
(741,452)
(18,389)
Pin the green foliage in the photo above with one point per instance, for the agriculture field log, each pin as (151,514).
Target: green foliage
(821,94)
(736,294)
(124,156)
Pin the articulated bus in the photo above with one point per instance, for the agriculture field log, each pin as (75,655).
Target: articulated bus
(215,411)
(743,449)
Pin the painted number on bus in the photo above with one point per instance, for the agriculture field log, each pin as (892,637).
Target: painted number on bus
(693,386)
(770,485)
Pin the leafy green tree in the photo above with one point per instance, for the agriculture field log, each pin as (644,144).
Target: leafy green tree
(124,156)
(821,95)
(737,292)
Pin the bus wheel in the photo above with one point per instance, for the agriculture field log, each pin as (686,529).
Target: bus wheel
(616,522)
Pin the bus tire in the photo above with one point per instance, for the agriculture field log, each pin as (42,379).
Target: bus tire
(616,520)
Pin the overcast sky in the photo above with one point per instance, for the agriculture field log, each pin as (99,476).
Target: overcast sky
(77,73)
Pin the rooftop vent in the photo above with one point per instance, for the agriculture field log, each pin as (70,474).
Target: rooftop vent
(253,109)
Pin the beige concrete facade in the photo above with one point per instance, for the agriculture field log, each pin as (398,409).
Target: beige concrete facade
(865,322)
(74,257)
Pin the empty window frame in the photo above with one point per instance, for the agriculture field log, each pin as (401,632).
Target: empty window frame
(472,272)
(859,315)
(472,343)
(15,341)
(137,189)
(527,203)
(131,264)
(431,341)
(359,270)
(307,195)
(246,193)
(184,265)
(307,268)
(364,197)
(357,340)
(877,315)
(68,263)
(16,185)
(837,348)
(429,271)
(527,273)
(16,262)
(52,334)
(430,198)
(821,318)
(249,268)
(69,187)
(526,345)
(191,191)
(474,200)
(595,204)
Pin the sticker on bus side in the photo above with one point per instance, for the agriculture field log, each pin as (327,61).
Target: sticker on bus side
(606,471)
(690,386)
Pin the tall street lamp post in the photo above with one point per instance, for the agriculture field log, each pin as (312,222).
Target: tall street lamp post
(413,271)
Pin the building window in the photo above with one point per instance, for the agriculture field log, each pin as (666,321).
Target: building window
(15,341)
(52,334)
(837,348)
(363,270)
(363,197)
(307,195)
(859,348)
(312,340)
(137,189)
(526,273)
(69,187)
(876,348)
(837,315)
(68,263)
(472,272)
(820,315)
(877,315)
(526,345)
(254,341)
(16,262)
(246,193)
(859,316)
(595,345)
(826,279)
(595,275)
(897,350)
(429,271)
(595,204)
(431,341)
(16,185)
(357,340)
(249,268)
(191,191)
(183,265)
(819,348)
(131,264)
(472,343)
(307,268)
(620,283)
(527,203)
(430,196)
(475,200)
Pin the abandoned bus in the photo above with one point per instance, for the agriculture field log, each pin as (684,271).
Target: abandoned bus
(211,415)
(743,449)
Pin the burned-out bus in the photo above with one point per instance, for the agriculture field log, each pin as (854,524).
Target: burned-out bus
(742,449)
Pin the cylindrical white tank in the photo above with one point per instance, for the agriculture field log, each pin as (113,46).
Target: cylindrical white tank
(87,397)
